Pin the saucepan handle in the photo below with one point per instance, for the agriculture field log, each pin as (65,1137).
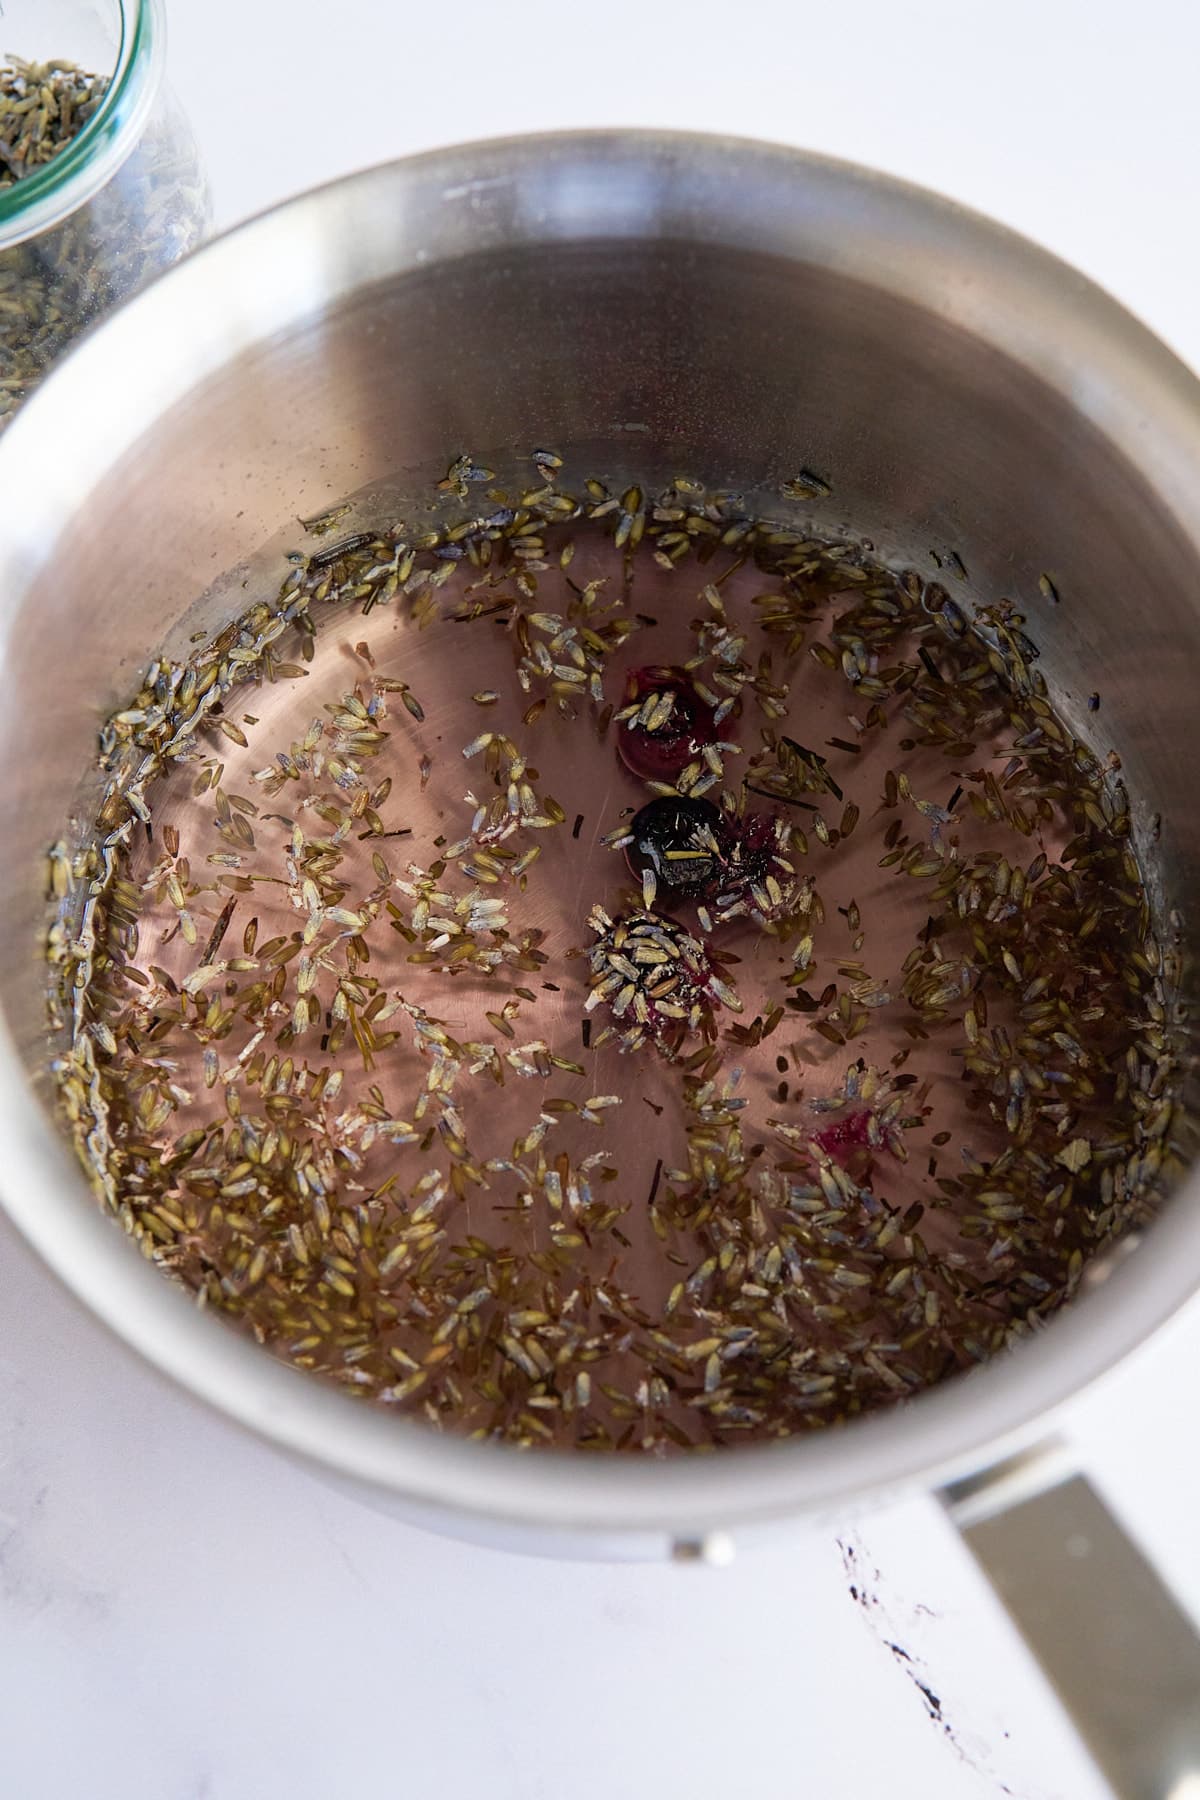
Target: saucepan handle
(1121,1654)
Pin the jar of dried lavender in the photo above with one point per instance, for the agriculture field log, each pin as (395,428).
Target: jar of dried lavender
(101,184)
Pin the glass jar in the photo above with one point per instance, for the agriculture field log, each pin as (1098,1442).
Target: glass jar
(121,200)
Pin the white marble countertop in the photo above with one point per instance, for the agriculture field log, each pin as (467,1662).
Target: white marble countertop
(183,1615)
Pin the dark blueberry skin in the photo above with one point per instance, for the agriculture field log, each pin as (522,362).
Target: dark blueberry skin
(665,839)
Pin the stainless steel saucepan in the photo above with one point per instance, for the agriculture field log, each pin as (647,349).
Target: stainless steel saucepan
(725,307)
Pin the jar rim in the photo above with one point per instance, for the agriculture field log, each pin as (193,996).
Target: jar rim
(50,194)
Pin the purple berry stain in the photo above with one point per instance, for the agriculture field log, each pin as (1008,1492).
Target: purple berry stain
(845,1135)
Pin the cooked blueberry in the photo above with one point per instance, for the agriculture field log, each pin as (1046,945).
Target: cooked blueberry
(664,724)
(681,842)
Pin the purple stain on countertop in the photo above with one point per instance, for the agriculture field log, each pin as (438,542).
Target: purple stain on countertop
(882,1615)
